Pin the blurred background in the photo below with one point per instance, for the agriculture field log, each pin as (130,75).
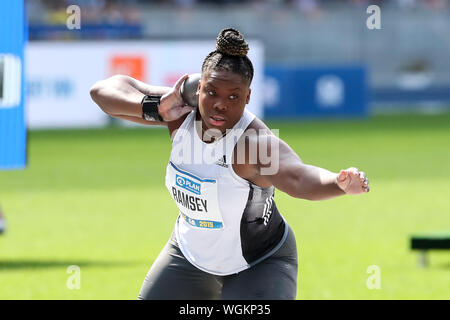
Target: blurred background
(342,91)
(404,64)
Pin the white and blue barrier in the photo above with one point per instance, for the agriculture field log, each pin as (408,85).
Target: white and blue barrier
(316,92)
(13,36)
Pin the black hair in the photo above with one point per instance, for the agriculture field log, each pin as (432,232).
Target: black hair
(230,55)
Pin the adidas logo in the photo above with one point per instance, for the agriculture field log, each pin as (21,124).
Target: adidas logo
(267,212)
(222,162)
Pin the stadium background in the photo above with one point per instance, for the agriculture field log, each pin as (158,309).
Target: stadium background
(341,95)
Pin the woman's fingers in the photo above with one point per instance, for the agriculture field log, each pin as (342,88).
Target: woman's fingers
(179,82)
(364,179)
(352,180)
(186,109)
(362,174)
(358,174)
(353,172)
(342,175)
(358,180)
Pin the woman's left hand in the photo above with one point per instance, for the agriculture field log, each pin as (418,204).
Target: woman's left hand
(352,181)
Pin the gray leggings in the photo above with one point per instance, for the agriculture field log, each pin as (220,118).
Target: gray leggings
(172,277)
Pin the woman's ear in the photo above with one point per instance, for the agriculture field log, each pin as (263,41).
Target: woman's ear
(248,96)
(198,88)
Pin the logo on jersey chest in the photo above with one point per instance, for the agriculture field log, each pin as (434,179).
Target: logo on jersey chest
(222,162)
(188,184)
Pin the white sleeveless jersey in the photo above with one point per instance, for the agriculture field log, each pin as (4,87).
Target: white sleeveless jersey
(225,223)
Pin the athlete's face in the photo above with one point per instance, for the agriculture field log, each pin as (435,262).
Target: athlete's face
(222,99)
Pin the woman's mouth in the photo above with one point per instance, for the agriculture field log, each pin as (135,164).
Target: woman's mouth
(217,120)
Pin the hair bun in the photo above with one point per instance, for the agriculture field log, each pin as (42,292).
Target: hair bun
(231,42)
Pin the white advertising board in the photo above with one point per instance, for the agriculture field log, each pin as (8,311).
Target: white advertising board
(60,74)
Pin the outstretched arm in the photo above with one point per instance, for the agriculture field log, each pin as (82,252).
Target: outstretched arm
(289,174)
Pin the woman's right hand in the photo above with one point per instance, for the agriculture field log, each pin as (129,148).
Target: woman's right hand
(352,181)
(172,106)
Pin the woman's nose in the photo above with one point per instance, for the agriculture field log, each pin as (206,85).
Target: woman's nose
(220,105)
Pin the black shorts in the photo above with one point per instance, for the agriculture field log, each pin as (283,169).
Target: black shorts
(173,277)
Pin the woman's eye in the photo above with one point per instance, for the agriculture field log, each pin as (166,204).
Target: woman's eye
(211,93)
(233,97)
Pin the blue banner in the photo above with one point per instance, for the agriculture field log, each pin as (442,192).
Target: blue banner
(13,37)
(312,92)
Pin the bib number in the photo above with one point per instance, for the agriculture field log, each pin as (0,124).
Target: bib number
(195,197)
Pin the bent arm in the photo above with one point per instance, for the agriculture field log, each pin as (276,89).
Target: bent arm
(120,96)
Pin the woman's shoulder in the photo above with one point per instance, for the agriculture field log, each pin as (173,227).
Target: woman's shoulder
(259,135)
(258,127)
(256,135)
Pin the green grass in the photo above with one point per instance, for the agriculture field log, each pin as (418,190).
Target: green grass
(96,199)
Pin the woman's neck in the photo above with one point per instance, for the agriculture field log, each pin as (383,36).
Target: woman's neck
(205,134)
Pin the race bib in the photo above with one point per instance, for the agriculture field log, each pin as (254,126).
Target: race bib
(195,197)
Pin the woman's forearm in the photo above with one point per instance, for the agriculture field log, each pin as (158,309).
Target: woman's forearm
(318,183)
(121,95)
